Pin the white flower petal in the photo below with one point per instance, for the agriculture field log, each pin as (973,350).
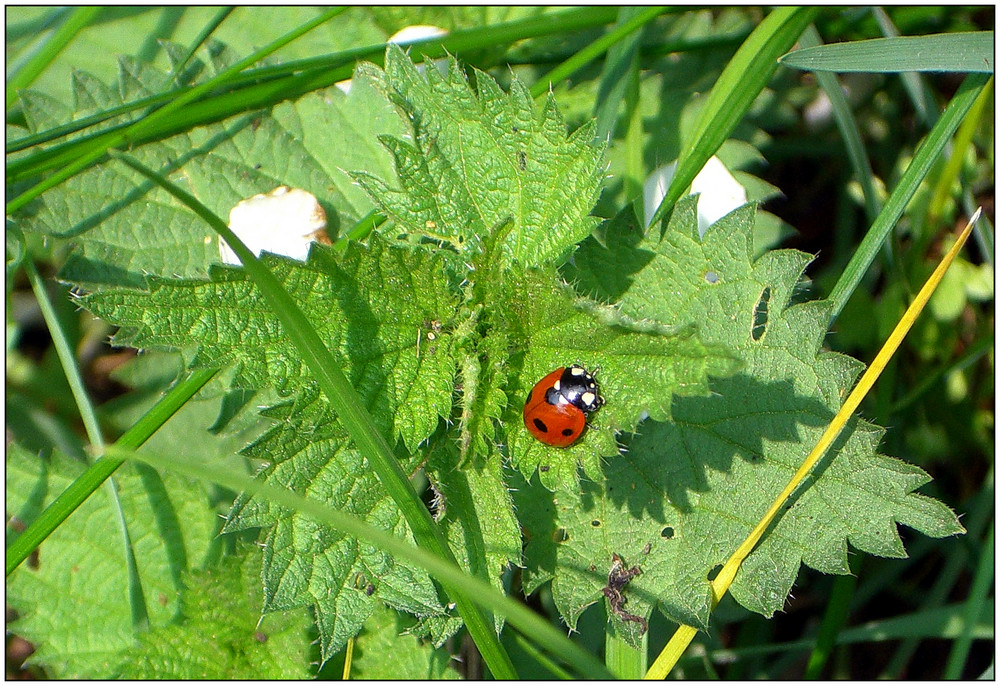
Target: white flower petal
(405,36)
(720,192)
(285,222)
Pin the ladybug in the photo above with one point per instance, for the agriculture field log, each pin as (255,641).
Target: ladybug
(557,408)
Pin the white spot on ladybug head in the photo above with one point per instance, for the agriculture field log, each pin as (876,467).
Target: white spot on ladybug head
(578,371)
(588,398)
(556,385)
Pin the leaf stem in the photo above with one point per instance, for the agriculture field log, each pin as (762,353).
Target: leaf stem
(65,354)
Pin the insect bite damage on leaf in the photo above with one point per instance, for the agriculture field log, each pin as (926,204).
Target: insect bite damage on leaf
(618,578)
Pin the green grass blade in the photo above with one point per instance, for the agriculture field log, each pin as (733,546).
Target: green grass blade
(942,622)
(64,351)
(635,164)
(595,49)
(960,52)
(66,357)
(739,84)
(973,607)
(848,127)
(339,64)
(925,156)
(615,76)
(37,63)
(98,147)
(952,169)
(208,110)
(933,376)
(98,472)
(837,609)
(914,83)
(531,651)
(978,513)
(136,598)
(266,86)
(351,411)
(207,31)
(624,661)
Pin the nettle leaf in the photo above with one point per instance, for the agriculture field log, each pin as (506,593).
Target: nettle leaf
(386,649)
(639,364)
(221,634)
(686,492)
(73,598)
(306,563)
(480,159)
(369,308)
(122,228)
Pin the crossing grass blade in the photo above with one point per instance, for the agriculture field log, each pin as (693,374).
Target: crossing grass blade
(915,173)
(959,52)
(741,81)
(36,64)
(98,472)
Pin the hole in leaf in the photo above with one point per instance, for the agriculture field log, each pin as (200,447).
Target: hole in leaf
(714,573)
(596,523)
(667,532)
(711,277)
(760,315)
(560,535)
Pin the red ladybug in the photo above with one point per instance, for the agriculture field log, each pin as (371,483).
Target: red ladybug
(557,407)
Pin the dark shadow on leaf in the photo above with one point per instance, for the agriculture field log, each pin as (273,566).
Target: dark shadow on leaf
(668,461)
(167,167)
(536,510)
(604,264)
(168,525)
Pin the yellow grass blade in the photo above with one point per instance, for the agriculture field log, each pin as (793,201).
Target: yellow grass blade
(684,634)
(348,659)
